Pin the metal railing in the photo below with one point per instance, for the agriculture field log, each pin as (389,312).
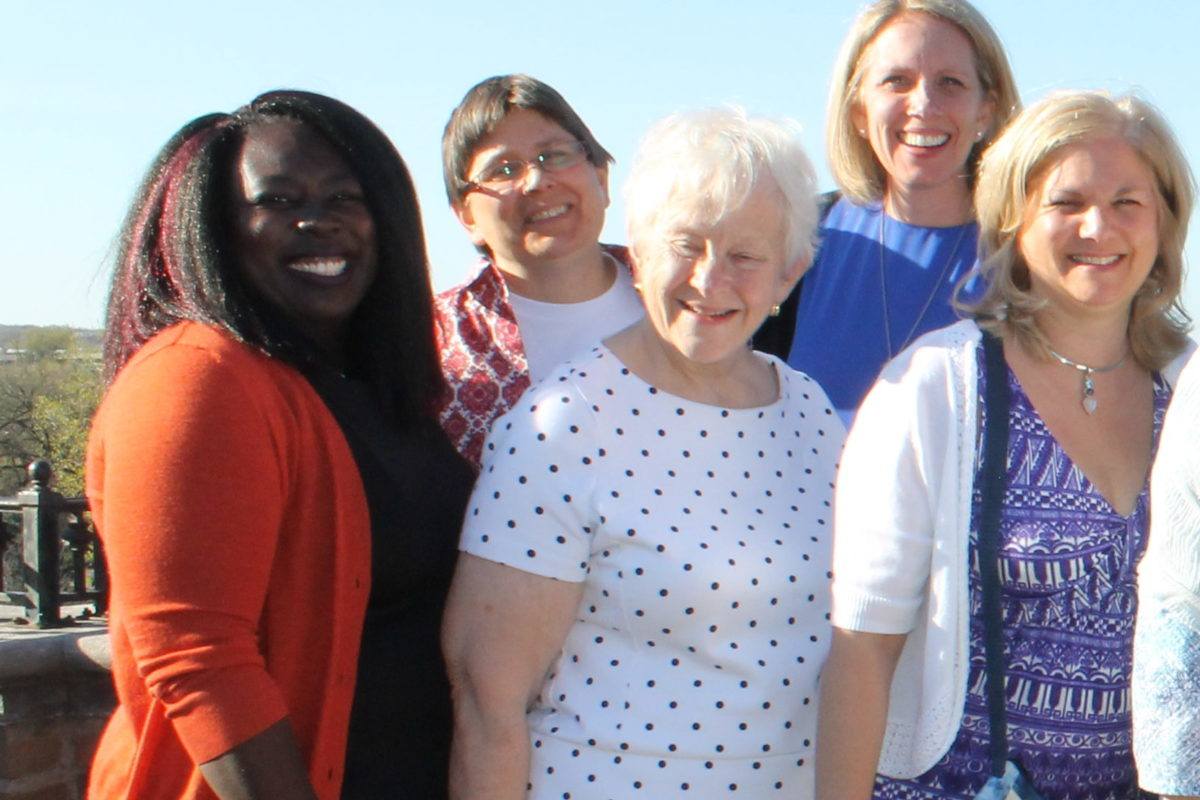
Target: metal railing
(58,558)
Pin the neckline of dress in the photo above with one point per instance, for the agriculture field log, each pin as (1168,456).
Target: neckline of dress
(1018,395)
(773,362)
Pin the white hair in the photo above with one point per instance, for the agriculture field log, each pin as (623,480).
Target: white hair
(706,164)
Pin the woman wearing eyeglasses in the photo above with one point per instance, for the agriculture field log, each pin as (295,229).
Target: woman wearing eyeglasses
(641,605)
(529,182)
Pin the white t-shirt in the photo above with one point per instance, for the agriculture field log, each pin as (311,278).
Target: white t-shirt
(702,538)
(555,332)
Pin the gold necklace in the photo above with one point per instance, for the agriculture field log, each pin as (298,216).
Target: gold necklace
(887,321)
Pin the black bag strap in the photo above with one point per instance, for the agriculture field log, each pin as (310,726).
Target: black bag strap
(994,475)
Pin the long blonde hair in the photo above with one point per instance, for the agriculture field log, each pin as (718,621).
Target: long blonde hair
(855,168)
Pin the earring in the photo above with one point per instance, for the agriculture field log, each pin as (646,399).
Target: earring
(979,136)
(775,309)
(862,132)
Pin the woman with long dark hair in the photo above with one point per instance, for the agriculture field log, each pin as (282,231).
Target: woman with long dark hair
(277,502)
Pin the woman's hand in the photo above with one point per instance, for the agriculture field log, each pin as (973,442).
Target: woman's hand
(264,766)
(503,630)
(855,683)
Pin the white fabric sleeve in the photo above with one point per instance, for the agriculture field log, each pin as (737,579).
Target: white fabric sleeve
(532,507)
(884,506)
(1171,566)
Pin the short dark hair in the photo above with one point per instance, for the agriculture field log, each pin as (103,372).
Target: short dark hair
(176,260)
(486,104)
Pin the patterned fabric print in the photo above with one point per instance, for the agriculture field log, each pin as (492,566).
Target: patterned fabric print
(702,539)
(1167,684)
(483,358)
(1067,584)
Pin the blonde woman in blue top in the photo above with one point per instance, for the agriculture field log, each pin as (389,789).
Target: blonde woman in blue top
(919,90)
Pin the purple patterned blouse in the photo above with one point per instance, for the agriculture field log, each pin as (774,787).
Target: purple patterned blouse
(1068,600)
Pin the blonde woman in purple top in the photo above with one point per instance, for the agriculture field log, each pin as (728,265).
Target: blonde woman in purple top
(1083,204)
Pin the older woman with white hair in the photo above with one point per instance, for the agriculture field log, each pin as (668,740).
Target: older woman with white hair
(640,608)
(992,503)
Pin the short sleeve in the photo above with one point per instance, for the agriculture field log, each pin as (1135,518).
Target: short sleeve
(532,507)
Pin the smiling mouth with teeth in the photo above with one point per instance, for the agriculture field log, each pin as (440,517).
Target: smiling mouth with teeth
(549,213)
(924,139)
(705,313)
(325,267)
(1096,261)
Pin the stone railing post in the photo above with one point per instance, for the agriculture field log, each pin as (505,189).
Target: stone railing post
(40,507)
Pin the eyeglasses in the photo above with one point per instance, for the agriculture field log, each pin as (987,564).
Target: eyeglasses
(504,176)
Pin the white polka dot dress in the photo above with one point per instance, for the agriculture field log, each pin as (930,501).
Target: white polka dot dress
(702,538)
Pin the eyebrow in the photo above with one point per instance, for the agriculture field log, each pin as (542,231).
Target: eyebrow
(288,177)
(538,146)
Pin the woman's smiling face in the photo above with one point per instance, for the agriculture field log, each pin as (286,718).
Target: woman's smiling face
(304,237)
(921,104)
(1090,231)
(708,286)
(547,215)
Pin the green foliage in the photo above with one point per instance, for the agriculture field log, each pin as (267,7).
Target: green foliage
(47,397)
(53,342)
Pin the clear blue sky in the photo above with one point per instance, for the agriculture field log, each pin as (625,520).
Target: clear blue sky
(90,90)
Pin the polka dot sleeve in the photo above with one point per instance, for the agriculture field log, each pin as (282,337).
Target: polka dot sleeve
(532,506)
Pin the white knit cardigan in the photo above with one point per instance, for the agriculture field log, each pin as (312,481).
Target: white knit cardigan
(902,514)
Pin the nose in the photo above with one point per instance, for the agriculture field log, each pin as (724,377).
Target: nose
(708,272)
(1092,222)
(535,175)
(920,99)
(313,221)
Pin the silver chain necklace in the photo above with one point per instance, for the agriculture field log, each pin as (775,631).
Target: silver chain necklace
(1089,386)
(887,321)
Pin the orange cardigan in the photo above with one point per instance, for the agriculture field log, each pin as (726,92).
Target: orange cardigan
(238,541)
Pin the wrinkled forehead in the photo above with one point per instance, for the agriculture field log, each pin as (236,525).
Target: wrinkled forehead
(727,207)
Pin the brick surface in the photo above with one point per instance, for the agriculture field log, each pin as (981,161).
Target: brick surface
(92,696)
(87,734)
(27,700)
(55,699)
(57,791)
(31,749)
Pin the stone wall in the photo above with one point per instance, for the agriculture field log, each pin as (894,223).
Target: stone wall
(55,696)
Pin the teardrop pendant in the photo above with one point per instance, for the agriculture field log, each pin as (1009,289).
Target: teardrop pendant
(1089,393)
(1089,386)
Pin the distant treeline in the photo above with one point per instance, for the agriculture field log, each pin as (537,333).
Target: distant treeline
(14,336)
